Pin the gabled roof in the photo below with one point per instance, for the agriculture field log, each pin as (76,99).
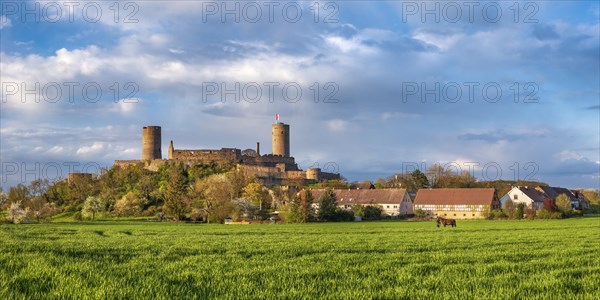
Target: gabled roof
(475,196)
(533,194)
(366,185)
(368,196)
(553,192)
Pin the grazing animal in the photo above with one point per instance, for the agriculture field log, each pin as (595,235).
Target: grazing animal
(445,221)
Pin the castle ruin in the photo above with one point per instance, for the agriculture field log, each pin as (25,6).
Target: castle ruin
(277,168)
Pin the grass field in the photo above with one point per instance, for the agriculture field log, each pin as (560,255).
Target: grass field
(556,259)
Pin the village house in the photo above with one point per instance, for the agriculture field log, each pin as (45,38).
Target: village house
(457,203)
(578,201)
(393,202)
(529,196)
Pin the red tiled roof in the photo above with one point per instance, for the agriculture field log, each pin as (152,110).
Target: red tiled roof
(349,197)
(475,196)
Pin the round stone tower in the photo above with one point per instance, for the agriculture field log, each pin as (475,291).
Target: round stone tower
(151,141)
(313,173)
(280,135)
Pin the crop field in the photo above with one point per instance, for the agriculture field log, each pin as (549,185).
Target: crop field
(557,259)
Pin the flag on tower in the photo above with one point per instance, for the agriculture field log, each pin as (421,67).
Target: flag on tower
(276,117)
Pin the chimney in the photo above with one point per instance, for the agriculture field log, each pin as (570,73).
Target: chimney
(258,148)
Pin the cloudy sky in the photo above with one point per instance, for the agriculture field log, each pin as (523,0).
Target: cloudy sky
(505,90)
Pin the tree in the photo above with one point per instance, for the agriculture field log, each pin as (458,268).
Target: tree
(327,206)
(129,205)
(257,194)
(294,214)
(17,214)
(19,193)
(92,206)
(214,195)
(509,208)
(519,211)
(176,193)
(380,183)
(245,208)
(563,203)
(358,210)
(3,198)
(38,187)
(41,209)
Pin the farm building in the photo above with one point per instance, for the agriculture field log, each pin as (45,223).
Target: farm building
(393,202)
(531,197)
(456,203)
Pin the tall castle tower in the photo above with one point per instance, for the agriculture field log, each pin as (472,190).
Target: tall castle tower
(151,143)
(280,135)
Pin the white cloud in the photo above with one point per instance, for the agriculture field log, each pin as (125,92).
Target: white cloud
(570,155)
(337,125)
(95,148)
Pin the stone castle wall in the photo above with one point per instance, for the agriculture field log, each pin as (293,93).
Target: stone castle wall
(221,157)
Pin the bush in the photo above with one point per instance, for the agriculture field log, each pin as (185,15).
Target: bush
(372,213)
(419,213)
(496,214)
(342,215)
(77,216)
(546,214)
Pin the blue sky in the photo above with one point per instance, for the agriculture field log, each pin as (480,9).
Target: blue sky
(372,54)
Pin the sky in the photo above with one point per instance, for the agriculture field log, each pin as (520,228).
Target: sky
(501,89)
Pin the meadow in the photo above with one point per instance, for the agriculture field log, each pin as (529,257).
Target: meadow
(545,259)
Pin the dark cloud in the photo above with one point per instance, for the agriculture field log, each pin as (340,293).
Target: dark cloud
(545,32)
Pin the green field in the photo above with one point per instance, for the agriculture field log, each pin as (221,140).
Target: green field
(556,259)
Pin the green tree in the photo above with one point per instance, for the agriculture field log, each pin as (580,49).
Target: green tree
(294,214)
(92,206)
(327,206)
(176,197)
(358,210)
(563,203)
(131,204)
(257,194)
(519,211)
(380,183)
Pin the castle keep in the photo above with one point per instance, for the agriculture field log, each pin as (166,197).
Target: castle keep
(277,168)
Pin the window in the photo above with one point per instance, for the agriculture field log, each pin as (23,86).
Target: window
(464,215)
(387,206)
(515,197)
(455,215)
(473,215)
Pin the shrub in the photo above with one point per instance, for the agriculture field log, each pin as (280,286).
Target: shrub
(342,215)
(77,216)
(496,214)
(419,213)
(546,214)
(372,213)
